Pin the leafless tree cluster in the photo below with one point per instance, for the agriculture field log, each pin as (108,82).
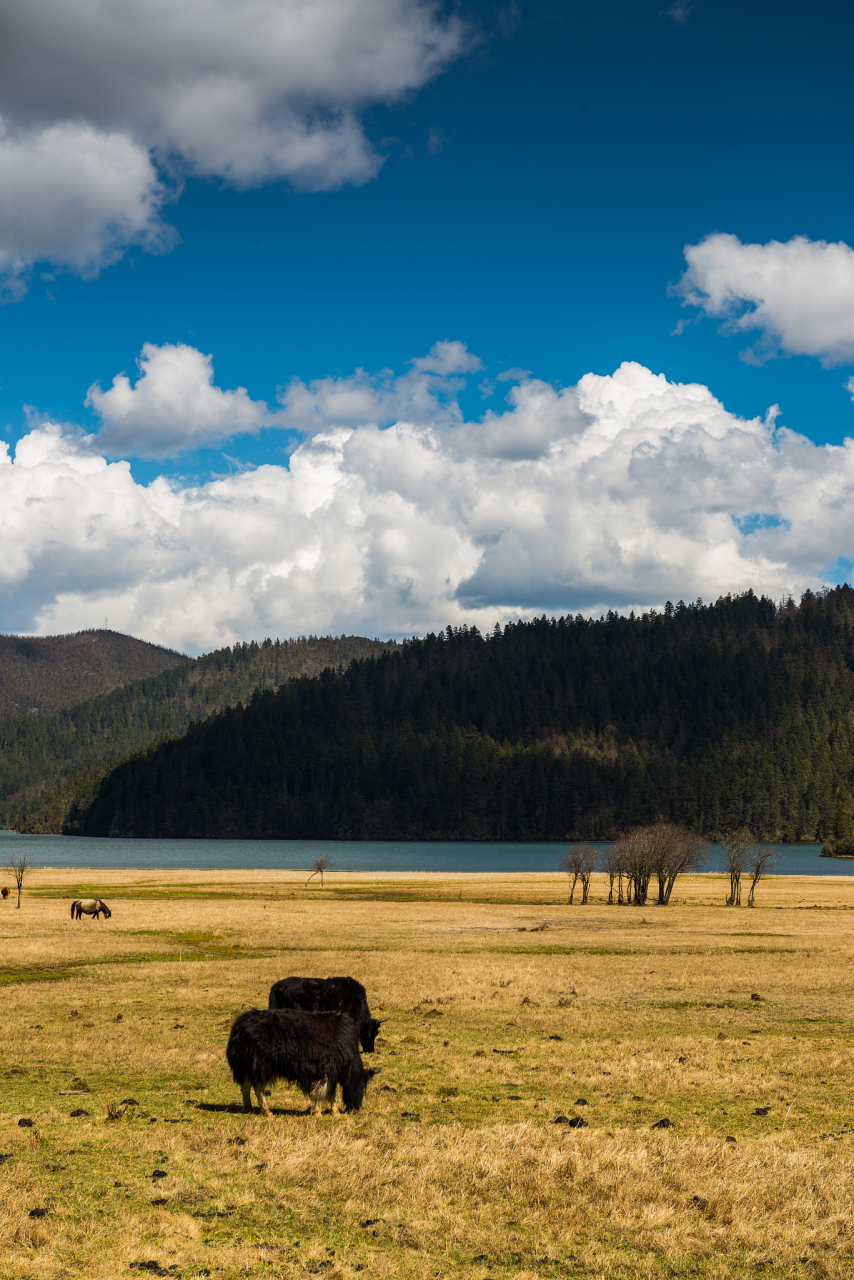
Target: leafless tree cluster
(660,851)
(742,856)
(579,864)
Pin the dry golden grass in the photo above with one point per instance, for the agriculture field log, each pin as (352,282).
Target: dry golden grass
(497,1025)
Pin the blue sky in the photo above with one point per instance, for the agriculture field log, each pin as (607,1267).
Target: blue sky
(540,179)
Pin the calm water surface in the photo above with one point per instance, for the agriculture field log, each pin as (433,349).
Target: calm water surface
(347,855)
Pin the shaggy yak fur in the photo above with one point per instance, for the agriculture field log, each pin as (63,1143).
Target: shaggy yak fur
(329,995)
(317,1051)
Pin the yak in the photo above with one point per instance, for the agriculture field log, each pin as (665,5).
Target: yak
(318,1051)
(329,995)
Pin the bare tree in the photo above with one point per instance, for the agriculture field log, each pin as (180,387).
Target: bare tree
(320,865)
(612,860)
(579,863)
(19,865)
(635,852)
(660,849)
(736,850)
(763,861)
(675,849)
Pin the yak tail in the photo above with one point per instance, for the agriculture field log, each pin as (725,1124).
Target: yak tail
(73,905)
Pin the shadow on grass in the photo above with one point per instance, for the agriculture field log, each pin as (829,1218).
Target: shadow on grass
(236,1109)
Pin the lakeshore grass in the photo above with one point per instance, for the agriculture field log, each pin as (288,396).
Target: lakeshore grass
(506,1009)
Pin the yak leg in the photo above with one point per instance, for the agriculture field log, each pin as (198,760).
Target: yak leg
(245,1089)
(319,1093)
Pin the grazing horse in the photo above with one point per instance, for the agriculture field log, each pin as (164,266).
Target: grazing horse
(89,907)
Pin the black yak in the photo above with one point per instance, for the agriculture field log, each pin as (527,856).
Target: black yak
(317,1051)
(329,995)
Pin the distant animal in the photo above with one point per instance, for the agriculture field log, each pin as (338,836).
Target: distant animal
(317,1051)
(89,907)
(329,995)
(4,893)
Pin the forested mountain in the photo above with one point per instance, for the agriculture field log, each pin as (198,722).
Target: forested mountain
(737,714)
(48,762)
(43,674)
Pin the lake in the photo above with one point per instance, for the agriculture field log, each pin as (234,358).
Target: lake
(347,855)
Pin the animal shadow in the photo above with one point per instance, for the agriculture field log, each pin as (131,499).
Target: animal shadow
(236,1109)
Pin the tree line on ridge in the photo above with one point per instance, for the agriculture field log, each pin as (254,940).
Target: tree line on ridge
(724,716)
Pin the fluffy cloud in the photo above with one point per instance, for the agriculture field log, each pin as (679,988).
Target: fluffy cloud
(799,295)
(622,491)
(425,394)
(77,196)
(248,91)
(173,406)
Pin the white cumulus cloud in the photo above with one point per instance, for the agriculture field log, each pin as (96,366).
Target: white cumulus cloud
(799,295)
(173,406)
(623,491)
(93,93)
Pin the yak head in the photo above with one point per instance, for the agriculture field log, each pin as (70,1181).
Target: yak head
(371,1033)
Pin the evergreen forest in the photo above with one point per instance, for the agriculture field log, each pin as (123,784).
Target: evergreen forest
(732,715)
(43,674)
(50,762)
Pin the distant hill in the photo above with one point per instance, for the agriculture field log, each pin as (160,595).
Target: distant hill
(49,761)
(43,674)
(736,714)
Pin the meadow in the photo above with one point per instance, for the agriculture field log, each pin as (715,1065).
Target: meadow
(532,1052)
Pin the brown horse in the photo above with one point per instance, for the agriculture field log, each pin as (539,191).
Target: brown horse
(89,907)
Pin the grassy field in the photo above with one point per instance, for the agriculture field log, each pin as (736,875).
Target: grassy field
(507,1010)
